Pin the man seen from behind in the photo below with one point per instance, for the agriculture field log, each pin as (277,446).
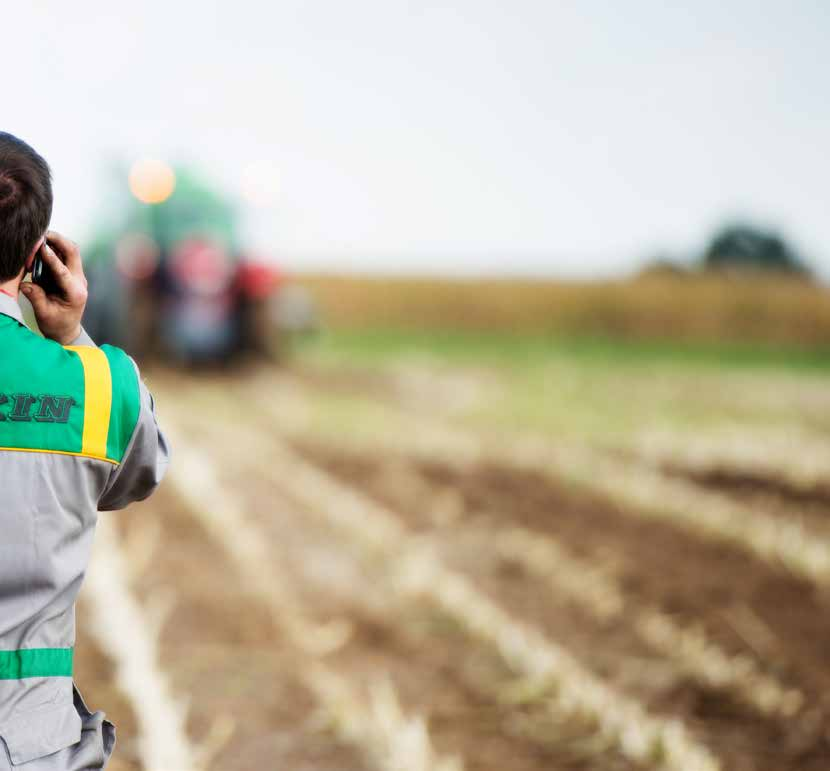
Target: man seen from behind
(78,434)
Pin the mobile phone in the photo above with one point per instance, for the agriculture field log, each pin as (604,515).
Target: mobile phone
(42,274)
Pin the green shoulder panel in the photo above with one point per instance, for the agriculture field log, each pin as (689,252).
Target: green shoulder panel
(41,392)
(44,389)
(126,401)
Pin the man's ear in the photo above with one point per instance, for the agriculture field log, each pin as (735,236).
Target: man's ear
(27,266)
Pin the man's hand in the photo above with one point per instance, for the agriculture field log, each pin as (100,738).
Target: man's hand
(59,316)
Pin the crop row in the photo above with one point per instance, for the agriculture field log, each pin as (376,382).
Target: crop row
(687,647)
(567,686)
(390,738)
(637,484)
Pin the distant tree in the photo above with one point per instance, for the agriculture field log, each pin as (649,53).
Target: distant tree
(745,247)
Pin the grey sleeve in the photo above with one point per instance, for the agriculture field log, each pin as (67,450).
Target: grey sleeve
(145,460)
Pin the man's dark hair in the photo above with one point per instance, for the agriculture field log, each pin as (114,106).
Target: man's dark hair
(25,202)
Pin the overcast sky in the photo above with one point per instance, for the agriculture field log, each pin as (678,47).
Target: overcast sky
(474,136)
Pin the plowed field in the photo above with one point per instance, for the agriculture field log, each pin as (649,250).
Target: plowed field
(407,590)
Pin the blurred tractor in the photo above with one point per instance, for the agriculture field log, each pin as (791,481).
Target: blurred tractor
(169,278)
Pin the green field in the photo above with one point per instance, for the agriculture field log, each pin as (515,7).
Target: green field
(538,349)
(611,392)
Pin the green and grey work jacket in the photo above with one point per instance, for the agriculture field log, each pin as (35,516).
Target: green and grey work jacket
(78,434)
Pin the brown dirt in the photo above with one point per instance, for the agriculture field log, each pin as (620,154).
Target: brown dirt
(778,496)
(744,605)
(440,672)
(696,581)
(436,668)
(223,650)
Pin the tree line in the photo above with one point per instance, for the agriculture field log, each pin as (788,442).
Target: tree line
(743,248)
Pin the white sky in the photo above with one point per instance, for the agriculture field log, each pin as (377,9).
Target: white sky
(474,136)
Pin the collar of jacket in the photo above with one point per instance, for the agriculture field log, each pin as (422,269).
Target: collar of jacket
(9,307)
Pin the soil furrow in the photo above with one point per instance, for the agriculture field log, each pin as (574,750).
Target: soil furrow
(739,736)
(247,707)
(779,541)
(578,694)
(747,606)
(809,504)
(742,604)
(437,670)
(247,674)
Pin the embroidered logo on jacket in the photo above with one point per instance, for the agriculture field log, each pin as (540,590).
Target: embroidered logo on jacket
(51,409)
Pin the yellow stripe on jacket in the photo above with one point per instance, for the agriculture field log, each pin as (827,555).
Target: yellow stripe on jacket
(97,399)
